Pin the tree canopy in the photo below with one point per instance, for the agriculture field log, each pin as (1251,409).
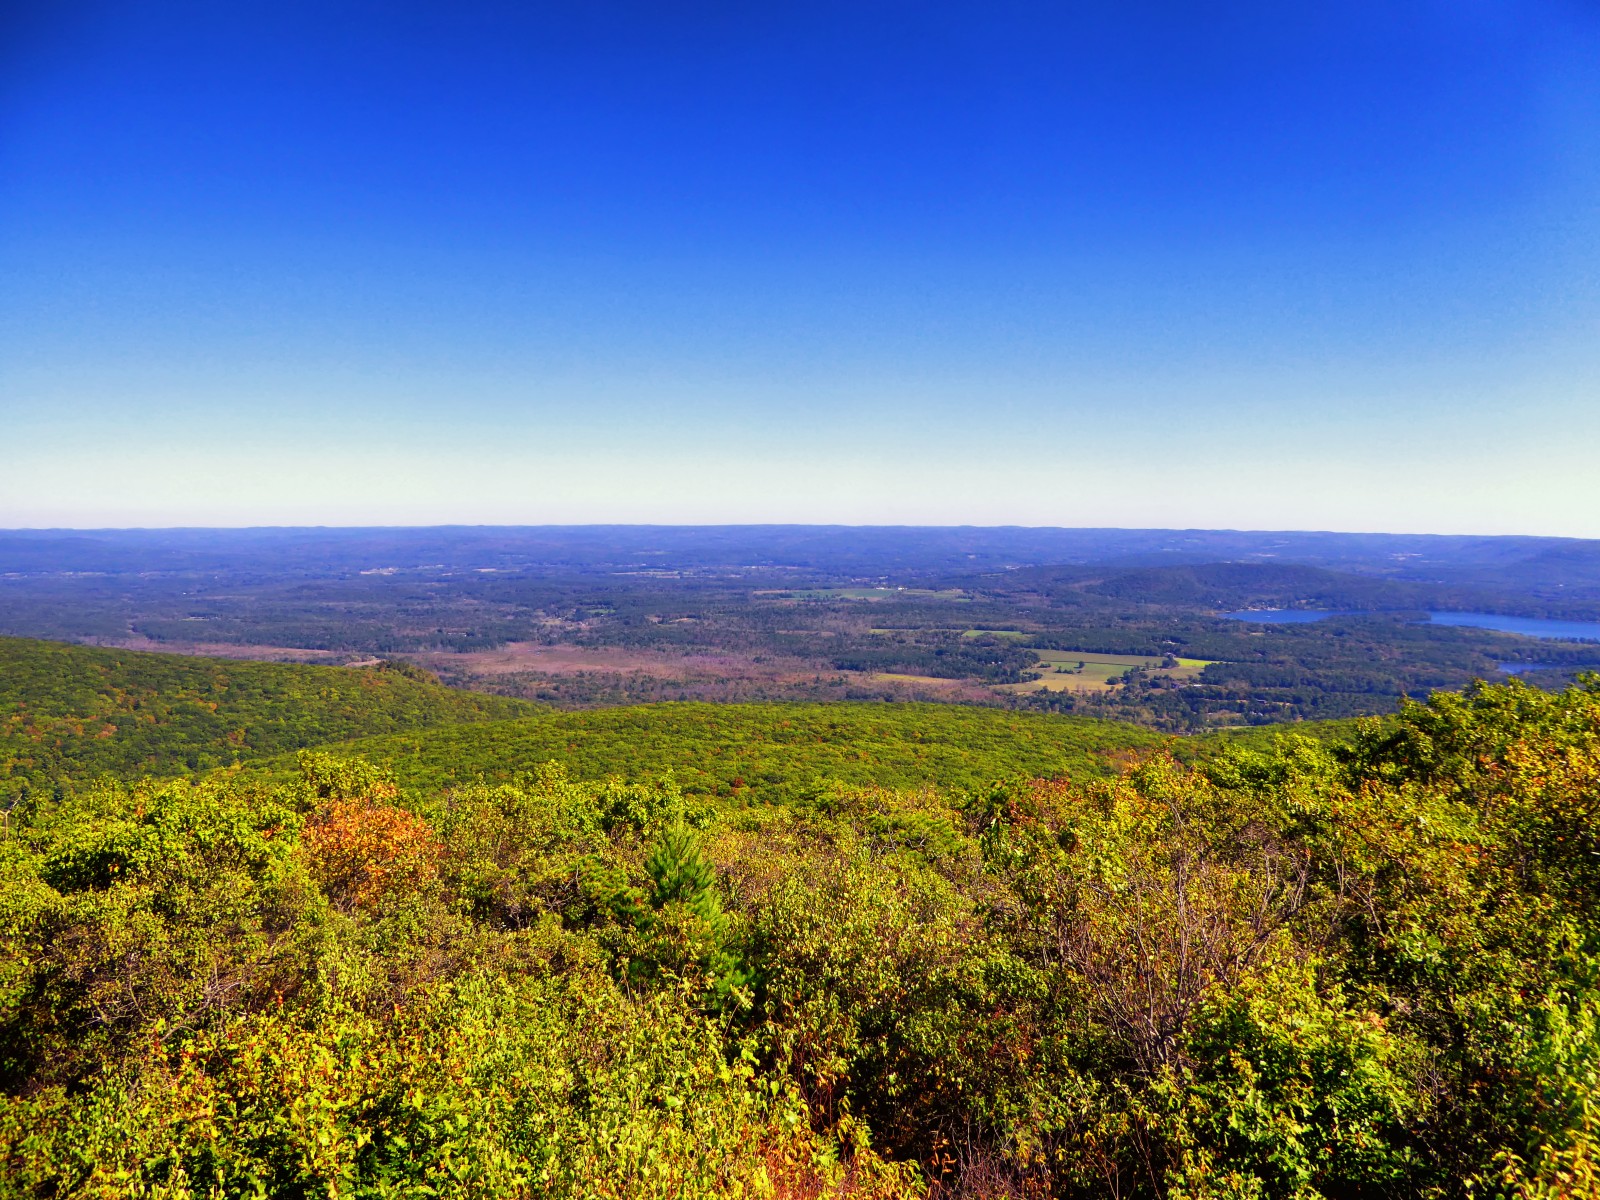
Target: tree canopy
(1365,966)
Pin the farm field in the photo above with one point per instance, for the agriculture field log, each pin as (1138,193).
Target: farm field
(1073,671)
(1006,635)
(955,595)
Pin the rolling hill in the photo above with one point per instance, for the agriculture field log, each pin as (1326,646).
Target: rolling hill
(765,752)
(73,712)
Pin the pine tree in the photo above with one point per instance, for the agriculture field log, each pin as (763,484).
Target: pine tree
(682,876)
(680,872)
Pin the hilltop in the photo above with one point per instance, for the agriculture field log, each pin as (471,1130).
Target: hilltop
(73,712)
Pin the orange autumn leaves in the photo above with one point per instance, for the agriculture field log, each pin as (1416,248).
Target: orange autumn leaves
(362,850)
(359,847)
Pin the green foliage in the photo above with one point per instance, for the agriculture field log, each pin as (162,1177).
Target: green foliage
(553,1086)
(73,713)
(766,752)
(681,927)
(1314,970)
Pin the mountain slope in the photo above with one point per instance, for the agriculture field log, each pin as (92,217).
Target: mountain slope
(767,752)
(73,712)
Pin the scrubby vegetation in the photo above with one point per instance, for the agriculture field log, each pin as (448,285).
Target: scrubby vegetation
(74,712)
(1359,967)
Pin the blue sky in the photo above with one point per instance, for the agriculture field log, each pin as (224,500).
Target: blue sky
(1139,265)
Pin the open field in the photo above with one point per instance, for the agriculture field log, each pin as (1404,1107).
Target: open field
(584,676)
(962,690)
(955,595)
(517,657)
(1077,671)
(1008,635)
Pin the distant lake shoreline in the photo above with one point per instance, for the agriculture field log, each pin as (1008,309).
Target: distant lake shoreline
(1537,627)
(1527,626)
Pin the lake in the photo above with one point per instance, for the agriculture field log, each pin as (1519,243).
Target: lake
(1282,616)
(1527,626)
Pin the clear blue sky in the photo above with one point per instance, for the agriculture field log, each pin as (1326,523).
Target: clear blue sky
(1249,265)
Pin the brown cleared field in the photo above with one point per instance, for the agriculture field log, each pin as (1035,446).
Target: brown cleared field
(931,681)
(518,657)
(712,674)
(961,690)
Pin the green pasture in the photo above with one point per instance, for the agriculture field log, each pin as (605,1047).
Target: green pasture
(1076,670)
(955,595)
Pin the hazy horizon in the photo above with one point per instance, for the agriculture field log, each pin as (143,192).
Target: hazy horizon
(859,526)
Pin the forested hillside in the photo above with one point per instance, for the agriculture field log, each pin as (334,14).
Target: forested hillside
(766,752)
(1366,967)
(73,712)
